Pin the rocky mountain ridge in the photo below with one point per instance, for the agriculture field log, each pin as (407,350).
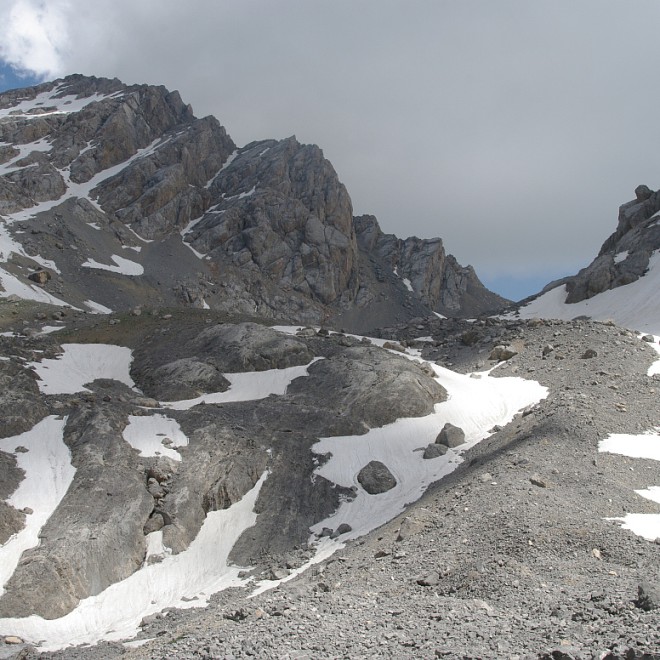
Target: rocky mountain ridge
(122,197)
(624,256)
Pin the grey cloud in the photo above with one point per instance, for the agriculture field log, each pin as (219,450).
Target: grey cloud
(512,129)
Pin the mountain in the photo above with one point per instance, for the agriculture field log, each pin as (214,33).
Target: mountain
(622,283)
(181,476)
(116,196)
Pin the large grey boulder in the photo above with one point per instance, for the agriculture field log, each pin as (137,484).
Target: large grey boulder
(372,384)
(375,477)
(249,347)
(451,436)
(186,378)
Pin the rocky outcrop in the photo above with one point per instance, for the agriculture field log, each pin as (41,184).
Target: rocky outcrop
(424,268)
(366,382)
(279,208)
(95,536)
(624,256)
(180,368)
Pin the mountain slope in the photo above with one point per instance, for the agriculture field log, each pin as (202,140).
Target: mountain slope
(114,196)
(622,284)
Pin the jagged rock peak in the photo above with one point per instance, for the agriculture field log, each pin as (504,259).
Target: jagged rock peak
(91,168)
(624,256)
(435,278)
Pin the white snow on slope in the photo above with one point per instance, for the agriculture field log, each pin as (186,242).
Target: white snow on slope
(14,287)
(48,475)
(408,284)
(81,364)
(655,367)
(248,386)
(635,306)
(146,434)
(30,108)
(97,308)
(646,445)
(9,245)
(185,580)
(23,151)
(475,404)
(646,525)
(123,266)
(230,159)
(84,190)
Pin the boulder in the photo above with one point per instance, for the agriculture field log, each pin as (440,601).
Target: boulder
(502,353)
(40,277)
(451,436)
(434,450)
(648,596)
(376,478)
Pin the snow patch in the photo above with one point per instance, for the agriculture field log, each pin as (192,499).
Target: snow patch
(123,266)
(635,305)
(97,308)
(183,581)
(646,525)
(474,404)
(620,256)
(408,284)
(249,386)
(47,103)
(12,286)
(146,434)
(48,475)
(80,364)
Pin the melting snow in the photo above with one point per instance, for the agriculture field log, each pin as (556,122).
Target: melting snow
(14,287)
(23,151)
(248,386)
(231,158)
(620,256)
(185,580)
(474,404)
(57,106)
(97,308)
(81,364)
(48,475)
(646,525)
(124,266)
(408,284)
(146,434)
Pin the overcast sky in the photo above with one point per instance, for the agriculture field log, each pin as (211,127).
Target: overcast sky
(513,129)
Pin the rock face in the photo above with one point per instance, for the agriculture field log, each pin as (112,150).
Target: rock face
(423,267)
(624,256)
(158,207)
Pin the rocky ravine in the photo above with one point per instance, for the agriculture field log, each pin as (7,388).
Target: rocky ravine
(112,196)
